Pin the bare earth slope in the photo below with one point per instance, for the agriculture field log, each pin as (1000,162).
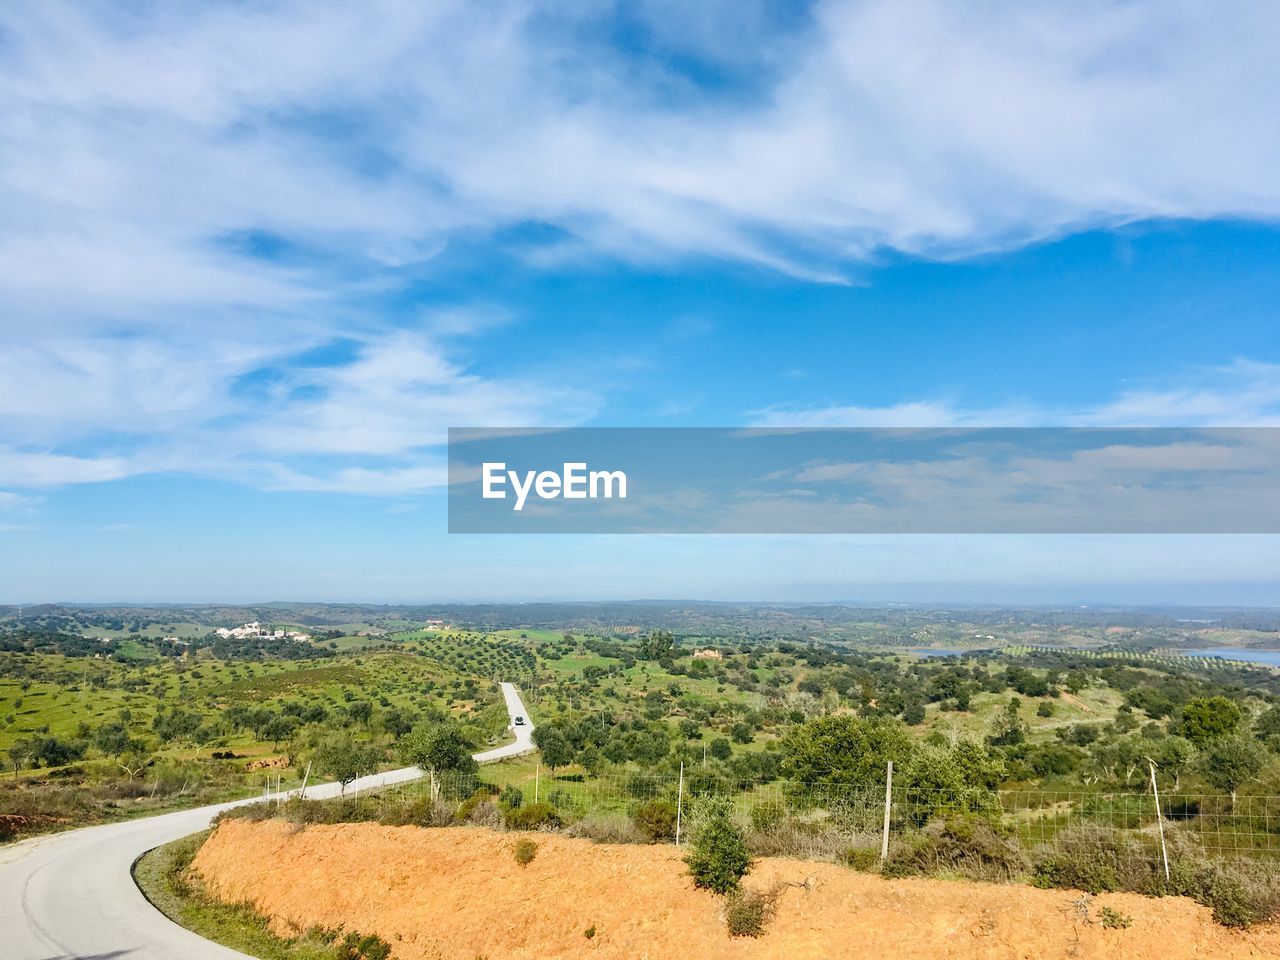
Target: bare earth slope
(457,893)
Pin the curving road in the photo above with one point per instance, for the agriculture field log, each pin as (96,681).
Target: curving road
(71,895)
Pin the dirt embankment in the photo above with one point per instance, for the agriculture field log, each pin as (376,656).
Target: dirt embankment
(458,894)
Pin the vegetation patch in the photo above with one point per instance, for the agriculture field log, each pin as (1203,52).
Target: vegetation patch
(747,912)
(164,878)
(524,851)
(719,858)
(970,847)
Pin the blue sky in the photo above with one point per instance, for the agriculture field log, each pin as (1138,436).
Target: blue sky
(254,263)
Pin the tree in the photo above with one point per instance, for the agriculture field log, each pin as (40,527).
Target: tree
(1227,762)
(112,739)
(591,760)
(397,722)
(438,748)
(339,757)
(719,857)
(1207,718)
(177,724)
(134,761)
(720,748)
(962,779)
(1008,730)
(1268,724)
(1173,754)
(258,719)
(843,750)
(20,753)
(360,712)
(656,646)
(280,728)
(556,749)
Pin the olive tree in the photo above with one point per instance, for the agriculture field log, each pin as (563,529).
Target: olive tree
(438,748)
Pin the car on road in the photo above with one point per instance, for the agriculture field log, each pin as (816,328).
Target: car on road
(519,721)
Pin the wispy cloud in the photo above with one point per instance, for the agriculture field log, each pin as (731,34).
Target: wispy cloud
(1243,394)
(16,501)
(196,194)
(134,141)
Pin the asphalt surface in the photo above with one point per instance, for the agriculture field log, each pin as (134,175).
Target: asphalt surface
(72,895)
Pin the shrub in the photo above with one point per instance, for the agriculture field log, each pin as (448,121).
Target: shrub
(969,846)
(356,947)
(748,912)
(607,828)
(1114,919)
(865,859)
(536,816)
(1096,860)
(719,858)
(422,812)
(468,806)
(1239,893)
(511,797)
(525,850)
(486,814)
(767,816)
(802,840)
(656,819)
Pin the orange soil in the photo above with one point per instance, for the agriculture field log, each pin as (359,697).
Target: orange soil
(458,894)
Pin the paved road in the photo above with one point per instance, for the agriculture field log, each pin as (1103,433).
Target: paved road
(72,895)
(523,731)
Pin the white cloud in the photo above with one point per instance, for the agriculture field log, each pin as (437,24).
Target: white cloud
(378,131)
(195,193)
(1243,394)
(16,501)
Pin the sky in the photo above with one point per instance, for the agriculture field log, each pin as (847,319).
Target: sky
(256,260)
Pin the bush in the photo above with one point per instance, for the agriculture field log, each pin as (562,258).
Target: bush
(969,846)
(656,819)
(468,806)
(525,850)
(767,816)
(536,816)
(422,812)
(607,828)
(802,840)
(1096,860)
(1114,919)
(1239,893)
(356,947)
(511,798)
(719,858)
(486,814)
(864,859)
(748,912)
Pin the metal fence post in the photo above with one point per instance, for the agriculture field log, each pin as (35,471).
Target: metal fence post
(537,776)
(1164,852)
(888,800)
(680,803)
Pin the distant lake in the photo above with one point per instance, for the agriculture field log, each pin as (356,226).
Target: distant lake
(1270,657)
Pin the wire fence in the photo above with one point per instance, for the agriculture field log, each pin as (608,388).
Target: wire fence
(838,817)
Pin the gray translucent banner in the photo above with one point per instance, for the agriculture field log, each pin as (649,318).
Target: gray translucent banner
(997,480)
